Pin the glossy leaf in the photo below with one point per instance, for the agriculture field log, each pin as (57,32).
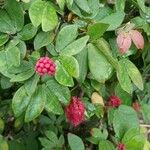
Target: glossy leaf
(133,139)
(6,25)
(15,12)
(70,64)
(20,101)
(3,144)
(37,104)
(124,119)
(13,56)
(36,12)
(100,68)
(75,141)
(83,4)
(97,30)
(69,33)
(105,145)
(28,32)
(3,39)
(52,103)
(120,5)
(43,39)
(31,84)
(134,74)
(82,59)
(62,76)
(49,18)
(75,47)
(114,20)
(22,76)
(61,92)
(123,78)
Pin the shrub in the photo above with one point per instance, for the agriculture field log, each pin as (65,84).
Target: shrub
(74,74)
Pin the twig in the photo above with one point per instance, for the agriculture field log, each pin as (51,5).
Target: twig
(145,125)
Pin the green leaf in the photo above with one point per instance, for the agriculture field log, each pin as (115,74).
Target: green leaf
(2,125)
(61,4)
(23,48)
(134,74)
(20,101)
(114,20)
(99,66)
(3,65)
(133,139)
(69,33)
(105,145)
(123,95)
(13,56)
(82,59)
(61,92)
(62,75)
(15,12)
(145,111)
(83,4)
(31,84)
(43,39)
(22,76)
(52,103)
(6,25)
(51,49)
(142,5)
(70,64)
(75,142)
(75,47)
(37,104)
(98,135)
(124,118)
(120,5)
(97,30)
(104,47)
(3,39)
(69,2)
(123,78)
(28,32)
(47,143)
(36,12)
(51,136)
(49,18)
(5,82)
(3,144)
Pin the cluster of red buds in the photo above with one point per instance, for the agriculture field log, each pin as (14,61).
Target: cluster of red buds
(75,111)
(45,65)
(121,146)
(114,101)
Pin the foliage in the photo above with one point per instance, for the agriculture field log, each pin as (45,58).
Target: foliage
(97,56)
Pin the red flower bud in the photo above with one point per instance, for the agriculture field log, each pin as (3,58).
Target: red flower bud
(121,146)
(45,65)
(137,39)
(123,42)
(114,101)
(75,111)
(136,106)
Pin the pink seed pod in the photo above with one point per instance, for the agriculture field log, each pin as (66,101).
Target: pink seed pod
(45,65)
(114,101)
(137,39)
(123,42)
(75,111)
(121,146)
